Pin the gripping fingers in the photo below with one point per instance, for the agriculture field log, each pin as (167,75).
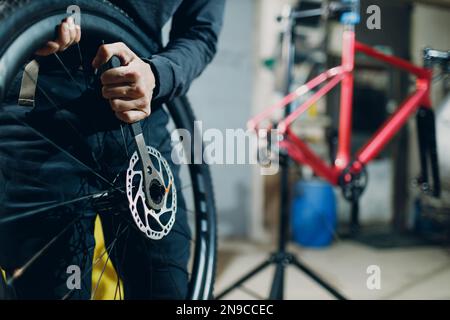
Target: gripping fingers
(72,32)
(106,51)
(120,105)
(131,116)
(68,33)
(50,48)
(129,87)
(119,76)
(77,33)
(131,91)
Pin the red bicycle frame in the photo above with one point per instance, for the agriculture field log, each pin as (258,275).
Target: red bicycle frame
(300,152)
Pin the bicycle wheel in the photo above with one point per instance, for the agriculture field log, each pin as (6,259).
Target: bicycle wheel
(99,152)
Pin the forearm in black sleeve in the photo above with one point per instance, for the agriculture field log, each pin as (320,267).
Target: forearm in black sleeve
(193,44)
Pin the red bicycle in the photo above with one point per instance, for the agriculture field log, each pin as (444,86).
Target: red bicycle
(347,170)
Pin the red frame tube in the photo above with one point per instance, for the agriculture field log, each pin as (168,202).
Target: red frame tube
(300,151)
(374,146)
(346,110)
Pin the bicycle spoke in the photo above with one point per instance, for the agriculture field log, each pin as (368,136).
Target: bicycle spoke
(100,278)
(54,206)
(125,145)
(19,272)
(117,268)
(107,249)
(80,56)
(120,263)
(67,71)
(117,290)
(120,145)
(95,163)
(62,150)
(54,105)
(32,179)
(118,286)
(104,266)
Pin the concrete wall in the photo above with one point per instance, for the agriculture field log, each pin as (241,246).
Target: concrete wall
(222,99)
(235,87)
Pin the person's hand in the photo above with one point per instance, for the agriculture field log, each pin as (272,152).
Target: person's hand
(130,87)
(68,32)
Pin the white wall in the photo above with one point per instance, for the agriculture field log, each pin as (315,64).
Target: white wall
(222,99)
(235,87)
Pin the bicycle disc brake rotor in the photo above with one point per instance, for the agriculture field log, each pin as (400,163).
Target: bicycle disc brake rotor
(155,224)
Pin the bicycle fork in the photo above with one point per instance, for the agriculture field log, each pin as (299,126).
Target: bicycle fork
(426,128)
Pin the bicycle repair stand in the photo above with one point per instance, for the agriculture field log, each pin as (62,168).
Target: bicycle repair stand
(283,258)
(428,182)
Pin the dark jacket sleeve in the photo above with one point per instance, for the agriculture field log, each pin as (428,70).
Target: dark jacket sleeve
(193,43)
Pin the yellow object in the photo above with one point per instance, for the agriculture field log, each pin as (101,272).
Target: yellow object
(107,286)
(108,283)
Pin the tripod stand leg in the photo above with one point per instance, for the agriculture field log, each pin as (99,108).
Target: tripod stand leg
(250,274)
(428,151)
(276,292)
(317,279)
(434,155)
(354,222)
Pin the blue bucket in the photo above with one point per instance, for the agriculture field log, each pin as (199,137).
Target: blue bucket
(314,214)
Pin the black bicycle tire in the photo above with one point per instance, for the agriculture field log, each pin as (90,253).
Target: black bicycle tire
(20,15)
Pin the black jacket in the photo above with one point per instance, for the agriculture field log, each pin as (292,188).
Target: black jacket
(193,40)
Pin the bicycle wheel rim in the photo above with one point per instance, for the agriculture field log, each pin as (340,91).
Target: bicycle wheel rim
(97,19)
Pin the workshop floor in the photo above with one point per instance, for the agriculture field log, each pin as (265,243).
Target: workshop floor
(421,272)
